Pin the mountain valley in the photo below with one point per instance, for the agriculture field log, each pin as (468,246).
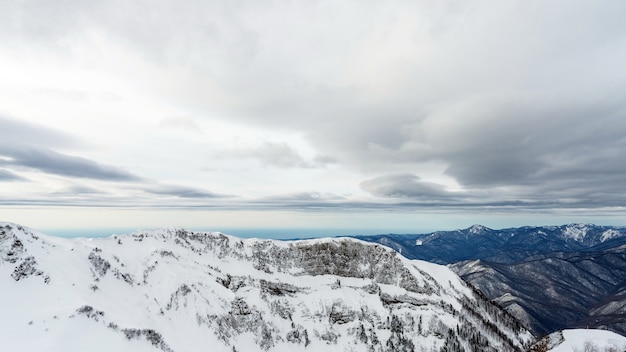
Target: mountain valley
(551,278)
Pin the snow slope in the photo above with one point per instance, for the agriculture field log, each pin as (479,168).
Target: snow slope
(176,290)
(582,340)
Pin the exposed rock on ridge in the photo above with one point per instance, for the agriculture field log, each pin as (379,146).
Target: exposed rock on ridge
(176,290)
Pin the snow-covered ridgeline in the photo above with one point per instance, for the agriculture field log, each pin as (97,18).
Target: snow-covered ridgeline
(177,290)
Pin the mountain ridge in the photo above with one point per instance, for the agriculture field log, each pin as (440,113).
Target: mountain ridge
(550,277)
(500,245)
(174,290)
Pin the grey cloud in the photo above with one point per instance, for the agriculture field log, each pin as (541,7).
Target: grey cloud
(79,190)
(40,21)
(181,123)
(529,144)
(29,145)
(409,191)
(279,155)
(6,175)
(49,161)
(181,191)
(523,102)
(404,186)
(529,147)
(126,195)
(398,192)
(16,132)
(307,201)
(316,197)
(324,160)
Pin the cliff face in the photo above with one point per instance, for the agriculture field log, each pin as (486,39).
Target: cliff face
(176,290)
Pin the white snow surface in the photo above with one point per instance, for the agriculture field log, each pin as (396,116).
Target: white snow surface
(577,232)
(610,234)
(176,290)
(575,340)
(478,229)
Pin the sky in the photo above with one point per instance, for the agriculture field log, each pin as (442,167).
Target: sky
(324,117)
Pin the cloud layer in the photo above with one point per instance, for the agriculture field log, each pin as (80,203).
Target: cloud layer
(304,105)
(49,161)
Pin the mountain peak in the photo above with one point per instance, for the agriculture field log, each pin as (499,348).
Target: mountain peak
(478,229)
(576,232)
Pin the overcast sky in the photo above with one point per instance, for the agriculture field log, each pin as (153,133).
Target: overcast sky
(386,115)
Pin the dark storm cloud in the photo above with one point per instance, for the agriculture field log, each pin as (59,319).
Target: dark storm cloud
(51,162)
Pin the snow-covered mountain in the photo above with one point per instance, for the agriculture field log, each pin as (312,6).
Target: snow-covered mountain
(552,291)
(176,290)
(502,246)
(583,340)
(551,278)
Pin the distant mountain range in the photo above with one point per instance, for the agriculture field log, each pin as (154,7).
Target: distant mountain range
(551,277)
(174,290)
(502,246)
